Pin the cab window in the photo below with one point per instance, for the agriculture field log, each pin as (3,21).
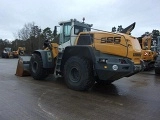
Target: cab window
(67,32)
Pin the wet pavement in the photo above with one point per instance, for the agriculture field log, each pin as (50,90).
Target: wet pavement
(23,98)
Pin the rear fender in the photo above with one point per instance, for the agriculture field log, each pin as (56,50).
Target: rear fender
(78,50)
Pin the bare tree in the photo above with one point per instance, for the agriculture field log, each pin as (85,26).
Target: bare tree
(26,32)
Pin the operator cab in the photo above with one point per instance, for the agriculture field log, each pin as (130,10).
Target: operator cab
(7,49)
(69,30)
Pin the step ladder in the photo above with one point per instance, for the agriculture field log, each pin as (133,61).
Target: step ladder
(58,65)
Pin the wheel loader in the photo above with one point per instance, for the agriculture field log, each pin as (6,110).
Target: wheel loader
(85,55)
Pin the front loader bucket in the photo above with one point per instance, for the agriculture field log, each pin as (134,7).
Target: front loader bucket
(23,66)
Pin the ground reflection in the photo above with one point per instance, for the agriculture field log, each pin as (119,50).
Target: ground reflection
(107,89)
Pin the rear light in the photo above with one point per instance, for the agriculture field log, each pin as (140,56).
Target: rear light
(122,61)
(145,53)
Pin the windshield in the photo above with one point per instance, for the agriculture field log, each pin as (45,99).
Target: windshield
(78,29)
(65,32)
(8,49)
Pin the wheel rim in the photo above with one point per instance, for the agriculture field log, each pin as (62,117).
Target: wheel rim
(34,66)
(74,75)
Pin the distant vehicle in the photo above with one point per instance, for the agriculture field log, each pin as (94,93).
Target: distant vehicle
(157,65)
(157,62)
(7,52)
(20,51)
(148,54)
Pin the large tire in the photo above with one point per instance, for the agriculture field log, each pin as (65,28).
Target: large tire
(3,55)
(7,55)
(36,68)
(157,71)
(78,73)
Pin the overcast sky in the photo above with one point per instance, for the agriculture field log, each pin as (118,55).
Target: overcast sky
(103,14)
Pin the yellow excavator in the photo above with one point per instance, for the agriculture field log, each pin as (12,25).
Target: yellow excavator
(148,56)
(84,56)
(19,51)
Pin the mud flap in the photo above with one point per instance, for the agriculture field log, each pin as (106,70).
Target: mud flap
(23,66)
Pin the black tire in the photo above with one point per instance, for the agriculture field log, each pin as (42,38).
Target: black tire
(157,71)
(7,55)
(36,68)
(78,73)
(3,55)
